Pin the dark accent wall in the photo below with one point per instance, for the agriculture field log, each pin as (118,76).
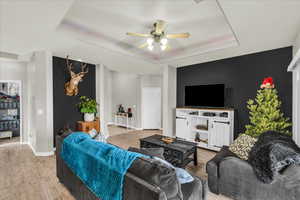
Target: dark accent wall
(242,77)
(64,108)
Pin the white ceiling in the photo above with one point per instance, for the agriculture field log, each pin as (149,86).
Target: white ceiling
(94,30)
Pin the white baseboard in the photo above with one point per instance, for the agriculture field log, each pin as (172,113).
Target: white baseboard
(130,127)
(44,153)
(40,153)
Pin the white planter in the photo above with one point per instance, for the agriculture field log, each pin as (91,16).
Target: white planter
(89,117)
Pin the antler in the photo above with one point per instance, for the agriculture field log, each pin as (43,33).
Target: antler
(69,66)
(84,68)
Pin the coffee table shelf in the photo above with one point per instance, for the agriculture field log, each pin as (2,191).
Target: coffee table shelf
(180,153)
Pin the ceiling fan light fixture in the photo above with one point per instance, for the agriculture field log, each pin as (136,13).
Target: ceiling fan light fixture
(150,41)
(150,47)
(157,38)
(163,47)
(164,41)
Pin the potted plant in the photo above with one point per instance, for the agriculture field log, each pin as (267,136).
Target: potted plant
(88,107)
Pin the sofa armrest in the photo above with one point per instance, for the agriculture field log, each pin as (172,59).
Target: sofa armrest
(212,179)
(196,190)
(291,177)
(237,180)
(136,188)
(59,162)
(212,168)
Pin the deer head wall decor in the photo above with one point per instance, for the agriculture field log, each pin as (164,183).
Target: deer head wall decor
(71,87)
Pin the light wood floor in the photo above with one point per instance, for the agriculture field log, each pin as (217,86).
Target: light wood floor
(26,177)
(117,130)
(9,140)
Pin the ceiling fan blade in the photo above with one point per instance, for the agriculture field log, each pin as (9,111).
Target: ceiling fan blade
(143,45)
(178,35)
(160,26)
(138,34)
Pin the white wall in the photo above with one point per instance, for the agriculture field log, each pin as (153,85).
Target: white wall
(126,91)
(12,70)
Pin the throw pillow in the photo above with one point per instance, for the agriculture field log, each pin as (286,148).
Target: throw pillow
(93,133)
(182,175)
(242,146)
(157,152)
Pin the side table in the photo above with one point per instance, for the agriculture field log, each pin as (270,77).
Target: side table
(87,126)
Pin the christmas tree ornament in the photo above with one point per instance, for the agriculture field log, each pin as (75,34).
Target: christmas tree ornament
(267,83)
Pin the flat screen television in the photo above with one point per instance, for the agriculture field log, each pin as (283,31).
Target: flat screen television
(205,95)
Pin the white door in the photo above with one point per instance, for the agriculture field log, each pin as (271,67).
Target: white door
(151,108)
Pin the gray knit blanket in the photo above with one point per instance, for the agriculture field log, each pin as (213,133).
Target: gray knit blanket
(272,153)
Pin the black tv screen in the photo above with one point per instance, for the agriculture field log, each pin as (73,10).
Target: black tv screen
(205,95)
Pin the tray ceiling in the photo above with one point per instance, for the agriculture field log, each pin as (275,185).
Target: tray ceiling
(105,25)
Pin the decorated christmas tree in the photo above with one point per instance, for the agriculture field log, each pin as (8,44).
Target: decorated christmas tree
(265,113)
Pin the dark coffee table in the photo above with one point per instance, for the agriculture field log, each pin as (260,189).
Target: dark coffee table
(179,153)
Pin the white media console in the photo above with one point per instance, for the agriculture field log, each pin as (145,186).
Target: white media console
(209,128)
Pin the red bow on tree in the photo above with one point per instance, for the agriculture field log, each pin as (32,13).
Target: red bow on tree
(267,83)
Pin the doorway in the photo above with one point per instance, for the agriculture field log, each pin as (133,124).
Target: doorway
(151,108)
(10,112)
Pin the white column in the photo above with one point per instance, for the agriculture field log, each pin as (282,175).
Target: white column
(296,45)
(169,100)
(40,101)
(103,96)
(294,67)
(296,104)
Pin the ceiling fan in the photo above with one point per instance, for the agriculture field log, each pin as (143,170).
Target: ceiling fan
(158,35)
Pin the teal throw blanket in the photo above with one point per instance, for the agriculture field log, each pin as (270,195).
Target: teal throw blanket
(100,166)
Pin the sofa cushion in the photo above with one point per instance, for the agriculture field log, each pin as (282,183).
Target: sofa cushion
(242,146)
(157,152)
(156,173)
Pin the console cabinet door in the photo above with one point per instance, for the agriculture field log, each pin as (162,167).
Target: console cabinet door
(219,134)
(183,128)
